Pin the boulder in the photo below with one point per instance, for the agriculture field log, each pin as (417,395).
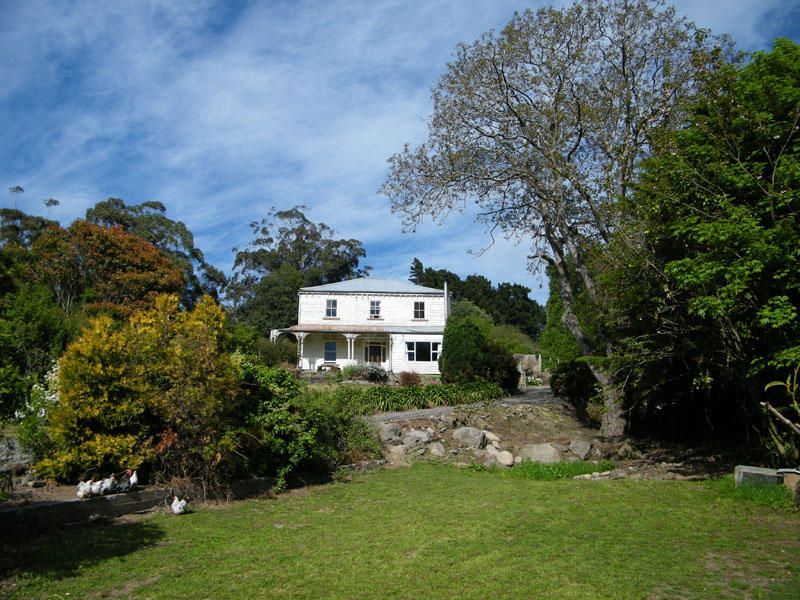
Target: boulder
(397,454)
(436,449)
(625,450)
(389,432)
(415,438)
(491,436)
(542,453)
(505,458)
(490,460)
(580,448)
(471,437)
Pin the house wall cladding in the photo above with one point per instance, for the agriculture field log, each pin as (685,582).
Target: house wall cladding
(354,309)
(396,352)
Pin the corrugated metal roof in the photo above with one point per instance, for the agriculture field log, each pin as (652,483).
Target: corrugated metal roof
(372,285)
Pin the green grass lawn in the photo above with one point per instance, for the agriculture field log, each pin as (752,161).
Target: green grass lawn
(430,532)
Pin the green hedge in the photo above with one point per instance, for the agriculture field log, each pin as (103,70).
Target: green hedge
(371,399)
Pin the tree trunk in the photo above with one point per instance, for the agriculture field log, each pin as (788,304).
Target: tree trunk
(614,420)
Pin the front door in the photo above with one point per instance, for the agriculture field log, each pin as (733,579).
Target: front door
(374,353)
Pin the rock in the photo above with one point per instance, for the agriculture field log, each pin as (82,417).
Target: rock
(491,436)
(389,432)
(492,450)
(517,460)
(15,468)
(625,450)
(585,477)
(542,453)
(436,449)
(580,448)
(496,445)
(470,437)
(454,451)
(399,450)
(490,460)
(505,458)
(37,483)
(415,438)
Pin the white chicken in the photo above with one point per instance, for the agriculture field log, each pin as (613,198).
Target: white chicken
(109,485)
(96,487)
(84,489)
(178,506)
(134,480)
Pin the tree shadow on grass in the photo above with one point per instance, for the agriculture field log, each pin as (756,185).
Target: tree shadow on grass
(61,553)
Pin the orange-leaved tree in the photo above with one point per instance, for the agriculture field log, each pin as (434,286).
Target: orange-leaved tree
(108,269)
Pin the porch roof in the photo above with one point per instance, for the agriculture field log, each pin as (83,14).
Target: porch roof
(325,328)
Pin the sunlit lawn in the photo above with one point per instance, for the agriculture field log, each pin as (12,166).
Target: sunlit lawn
(430,532)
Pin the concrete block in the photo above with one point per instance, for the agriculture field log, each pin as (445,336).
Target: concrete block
(791,479)
(747,475)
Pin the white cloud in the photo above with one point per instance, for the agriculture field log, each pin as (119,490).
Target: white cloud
(223,114)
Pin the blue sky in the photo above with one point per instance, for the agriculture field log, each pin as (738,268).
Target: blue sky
(222,110)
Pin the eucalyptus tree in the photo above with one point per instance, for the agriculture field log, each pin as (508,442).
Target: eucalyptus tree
(542,127)
(288,251)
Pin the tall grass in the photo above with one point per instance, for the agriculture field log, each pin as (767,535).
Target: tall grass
(772,496)
(372,399)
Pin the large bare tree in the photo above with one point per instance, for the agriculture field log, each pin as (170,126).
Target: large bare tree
(542,126)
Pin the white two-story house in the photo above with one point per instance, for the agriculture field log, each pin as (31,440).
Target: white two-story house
(396,325)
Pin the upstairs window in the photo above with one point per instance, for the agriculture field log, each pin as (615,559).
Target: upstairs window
(374,309)
(419,310)
(330,308)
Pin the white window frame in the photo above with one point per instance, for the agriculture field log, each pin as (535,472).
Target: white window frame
(374,309)
(419,310)
(411,351)
(331,308)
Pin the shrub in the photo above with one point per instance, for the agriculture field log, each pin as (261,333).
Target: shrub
(34,416)
(351,372)
(468,355)
(376,374)
(501,367)
(464,350)
(158,389)
(291,427)
(574,380)
(368,400)
(408,378)
(281,351)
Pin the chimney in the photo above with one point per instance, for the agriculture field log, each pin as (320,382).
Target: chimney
(446,302)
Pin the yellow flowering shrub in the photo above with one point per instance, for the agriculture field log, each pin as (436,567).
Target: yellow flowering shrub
(154,390)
